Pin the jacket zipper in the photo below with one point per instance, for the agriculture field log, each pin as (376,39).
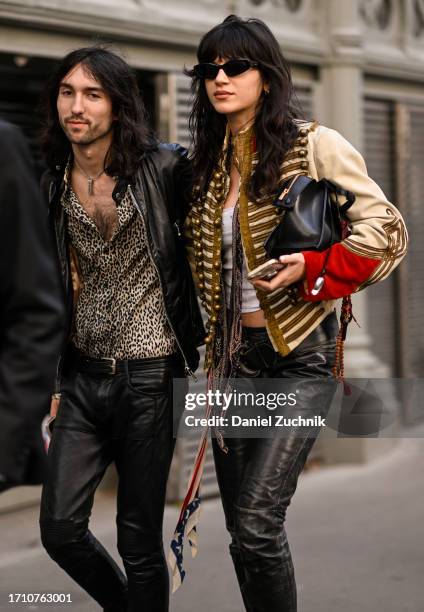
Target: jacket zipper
(177,227)
(141,209)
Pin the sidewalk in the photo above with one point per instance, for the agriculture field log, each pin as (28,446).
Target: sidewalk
(356,534)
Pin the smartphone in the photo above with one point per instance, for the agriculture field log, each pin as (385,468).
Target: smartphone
(266,270)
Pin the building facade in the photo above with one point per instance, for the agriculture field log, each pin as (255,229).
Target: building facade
(358,66)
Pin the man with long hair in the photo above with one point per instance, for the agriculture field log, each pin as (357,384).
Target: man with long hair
(116,203)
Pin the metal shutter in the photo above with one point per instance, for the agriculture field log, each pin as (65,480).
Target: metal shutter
(414,184)
(183,107)
(379,141)
(394,140)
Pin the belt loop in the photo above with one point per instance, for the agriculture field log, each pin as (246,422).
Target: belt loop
(126,370)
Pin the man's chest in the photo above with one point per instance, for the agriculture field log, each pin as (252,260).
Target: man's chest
(102,231)
(99,206)
(102,211)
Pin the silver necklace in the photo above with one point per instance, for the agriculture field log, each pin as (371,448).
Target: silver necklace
(90,179)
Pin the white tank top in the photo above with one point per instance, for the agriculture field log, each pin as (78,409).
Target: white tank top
(250,302)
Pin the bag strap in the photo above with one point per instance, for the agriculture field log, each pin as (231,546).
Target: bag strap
(293,188)
(349,195)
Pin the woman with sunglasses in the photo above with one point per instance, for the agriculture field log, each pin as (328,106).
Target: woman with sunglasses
(248,140)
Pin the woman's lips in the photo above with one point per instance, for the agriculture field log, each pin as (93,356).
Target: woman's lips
(221,95)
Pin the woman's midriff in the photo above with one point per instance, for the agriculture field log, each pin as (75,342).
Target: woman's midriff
(253,319)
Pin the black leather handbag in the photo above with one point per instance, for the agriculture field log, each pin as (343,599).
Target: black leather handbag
(313,220)
(311,217)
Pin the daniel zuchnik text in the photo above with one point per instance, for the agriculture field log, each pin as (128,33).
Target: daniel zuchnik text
(225,400)
(269,421)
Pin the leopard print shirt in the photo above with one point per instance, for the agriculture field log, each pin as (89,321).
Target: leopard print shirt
(120,310)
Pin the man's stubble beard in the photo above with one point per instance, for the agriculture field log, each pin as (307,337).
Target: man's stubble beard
(88,139)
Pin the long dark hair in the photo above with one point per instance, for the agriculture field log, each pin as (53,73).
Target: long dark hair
(132,135)
(275,128)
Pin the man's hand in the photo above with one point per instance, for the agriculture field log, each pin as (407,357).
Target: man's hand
(293,272)
(54,406)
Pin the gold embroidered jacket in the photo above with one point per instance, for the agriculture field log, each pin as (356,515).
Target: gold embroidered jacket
(375,247)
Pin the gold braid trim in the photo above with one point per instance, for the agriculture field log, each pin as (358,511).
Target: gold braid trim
(307,325)
(243,145)
(249,251)
(396,247)
(305,309)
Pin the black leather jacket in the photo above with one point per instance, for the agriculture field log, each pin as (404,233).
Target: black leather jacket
(158,191)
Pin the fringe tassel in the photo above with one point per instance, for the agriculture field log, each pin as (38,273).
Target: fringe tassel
(346,317)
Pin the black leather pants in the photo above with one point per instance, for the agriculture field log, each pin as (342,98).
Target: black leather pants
(125,418)
(258,477)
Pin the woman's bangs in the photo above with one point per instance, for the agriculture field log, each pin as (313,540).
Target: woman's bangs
(228,43)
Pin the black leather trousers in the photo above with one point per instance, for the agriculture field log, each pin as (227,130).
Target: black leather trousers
(258,477)
(126,418)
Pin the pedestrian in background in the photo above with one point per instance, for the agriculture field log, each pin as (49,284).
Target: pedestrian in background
(31,314)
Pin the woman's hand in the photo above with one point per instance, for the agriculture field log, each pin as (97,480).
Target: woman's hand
(293,272)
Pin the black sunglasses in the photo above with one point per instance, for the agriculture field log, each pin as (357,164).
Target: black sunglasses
(232,68)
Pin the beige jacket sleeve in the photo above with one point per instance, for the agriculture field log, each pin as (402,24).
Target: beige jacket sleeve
(378,240)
